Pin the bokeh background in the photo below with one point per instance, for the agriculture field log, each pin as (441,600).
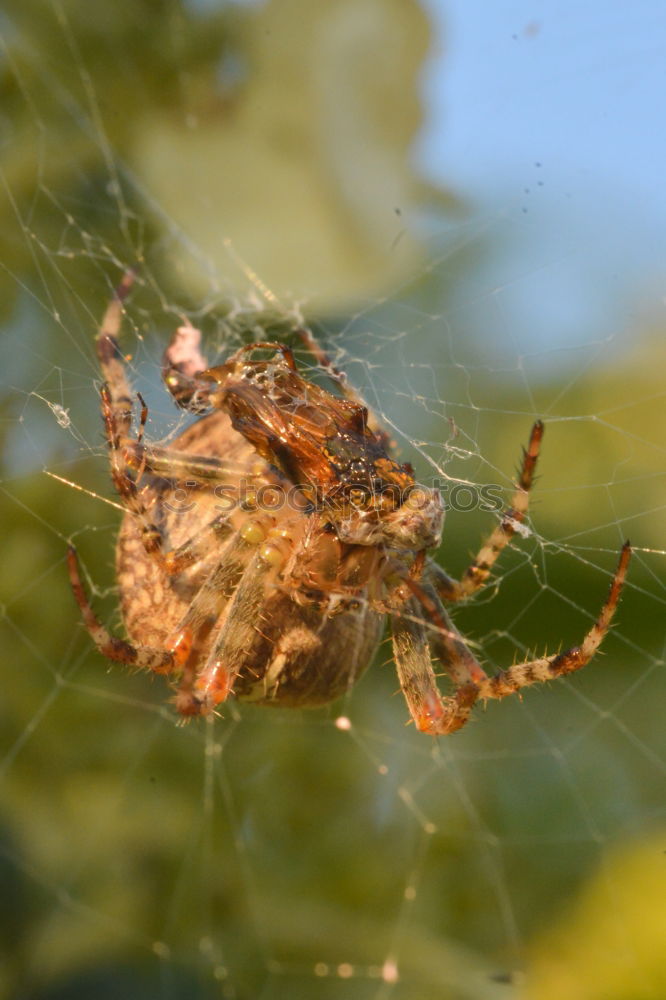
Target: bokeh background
(467,202)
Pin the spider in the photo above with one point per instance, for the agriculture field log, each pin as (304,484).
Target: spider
(262,550)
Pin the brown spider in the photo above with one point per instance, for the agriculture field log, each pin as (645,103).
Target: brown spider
(261,551)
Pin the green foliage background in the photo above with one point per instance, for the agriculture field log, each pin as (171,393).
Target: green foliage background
(273,854)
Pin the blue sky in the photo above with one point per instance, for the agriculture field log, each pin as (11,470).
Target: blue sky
(578,88)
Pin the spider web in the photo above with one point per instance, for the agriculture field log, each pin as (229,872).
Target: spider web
(336,852)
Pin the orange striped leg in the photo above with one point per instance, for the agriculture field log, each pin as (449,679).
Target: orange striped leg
(158,660)
(476,575)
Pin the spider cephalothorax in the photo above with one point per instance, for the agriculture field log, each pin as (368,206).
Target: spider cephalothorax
(263,548)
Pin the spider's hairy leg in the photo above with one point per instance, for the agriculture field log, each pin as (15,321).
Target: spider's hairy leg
(203,614)
(215,683)
(196,548)
(158,660)
(207,608)
(180,466)
(477,573)
(312,345)
(125,483)
(111,360)
(124,457)
(117,414)
(446,642)
(431,713)
(547,668)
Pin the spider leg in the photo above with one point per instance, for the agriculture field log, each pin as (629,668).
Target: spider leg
(174,561)
(124,483)
(230,580)
(440,716)
(181,465)
(431,713)
(312,345)
(117,413)
(158,660)
(446,642)
(546,668)
(130,458)
(215,682)
(191,551)
(111,359)
(476,575)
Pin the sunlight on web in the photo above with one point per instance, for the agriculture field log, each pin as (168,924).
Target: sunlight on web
(334,851)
